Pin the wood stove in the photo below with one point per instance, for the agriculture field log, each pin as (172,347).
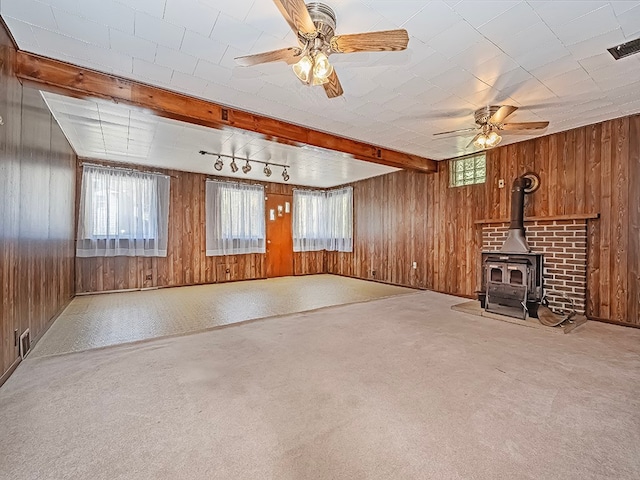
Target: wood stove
(512,277)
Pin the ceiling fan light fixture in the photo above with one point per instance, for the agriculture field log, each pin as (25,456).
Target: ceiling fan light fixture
(481,141)
(321,69)
(303,69)
(493,139)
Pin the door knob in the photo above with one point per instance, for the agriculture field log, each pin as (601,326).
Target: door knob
(268,241)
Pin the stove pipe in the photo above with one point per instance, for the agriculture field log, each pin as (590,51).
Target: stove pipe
(516,241)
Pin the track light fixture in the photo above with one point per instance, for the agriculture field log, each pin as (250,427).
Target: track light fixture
(246,168)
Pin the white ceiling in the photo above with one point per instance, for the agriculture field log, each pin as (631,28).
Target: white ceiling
(548,57)
(99,129)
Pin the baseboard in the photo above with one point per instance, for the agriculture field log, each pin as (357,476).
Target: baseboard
(613,322)
(35,340)
(377,281)
(5,376)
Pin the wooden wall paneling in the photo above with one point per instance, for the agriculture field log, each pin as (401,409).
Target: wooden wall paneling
(579,171)
(590,170)
(634,221)
(37,175)
(542,167)
(605,221)
(620,218)
(593,155)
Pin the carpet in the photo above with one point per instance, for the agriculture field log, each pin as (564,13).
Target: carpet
(401,387)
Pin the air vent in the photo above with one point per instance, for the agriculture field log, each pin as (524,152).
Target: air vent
(25,343)
(625,49)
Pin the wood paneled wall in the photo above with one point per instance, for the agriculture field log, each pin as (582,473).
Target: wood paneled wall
(186,262)
(37,221)
(408,216)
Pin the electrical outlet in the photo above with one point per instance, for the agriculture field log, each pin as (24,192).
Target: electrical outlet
(414,265)
(373,273)
(148,277)
(501,183)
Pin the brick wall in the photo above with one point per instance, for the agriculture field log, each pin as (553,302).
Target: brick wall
(563,244)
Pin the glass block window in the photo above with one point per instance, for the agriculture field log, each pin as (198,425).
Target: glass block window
(468,170)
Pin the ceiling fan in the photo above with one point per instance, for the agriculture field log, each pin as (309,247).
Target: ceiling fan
(489,124)
(314,24)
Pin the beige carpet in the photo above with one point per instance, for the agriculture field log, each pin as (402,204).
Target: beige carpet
(398,388)
(93,321)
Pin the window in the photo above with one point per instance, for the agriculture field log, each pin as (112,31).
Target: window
(122,213)
(468,170)
(235,218)
(323,220)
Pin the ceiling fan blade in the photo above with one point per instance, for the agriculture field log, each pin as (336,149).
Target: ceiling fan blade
(525,126)
(387,40)
(503,112)
(296,14)
(473,140)
(472,129)
(333,88)
(288,55)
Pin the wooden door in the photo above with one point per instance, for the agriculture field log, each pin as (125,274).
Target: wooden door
(278,210)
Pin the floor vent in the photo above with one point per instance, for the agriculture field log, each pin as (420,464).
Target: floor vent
(25,343)
(625,49)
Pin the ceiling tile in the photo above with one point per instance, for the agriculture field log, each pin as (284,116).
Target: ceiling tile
(479,13)
(175,60)
(433,19)
(152,7)
(192,15)
(105,12)
(82,29)
(230,31)
(158,31)
(560,12)
(30,11)
(202,47)
(131,45)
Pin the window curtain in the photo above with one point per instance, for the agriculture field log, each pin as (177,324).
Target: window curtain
(309,221)
(235,218)
(122,213)
(340,220)
(323,220)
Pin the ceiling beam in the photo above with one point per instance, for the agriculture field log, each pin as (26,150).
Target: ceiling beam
(72,80)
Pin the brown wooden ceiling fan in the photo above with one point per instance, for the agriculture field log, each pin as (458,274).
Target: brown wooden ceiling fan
(314,24)
(490,122)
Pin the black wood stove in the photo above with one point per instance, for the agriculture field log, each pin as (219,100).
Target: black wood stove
(512,277)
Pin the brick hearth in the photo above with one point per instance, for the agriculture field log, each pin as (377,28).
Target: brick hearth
(563,244)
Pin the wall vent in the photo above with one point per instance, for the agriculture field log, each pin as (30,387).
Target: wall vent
(25,343)
(625,49)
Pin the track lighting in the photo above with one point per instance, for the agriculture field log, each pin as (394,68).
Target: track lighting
(246,168)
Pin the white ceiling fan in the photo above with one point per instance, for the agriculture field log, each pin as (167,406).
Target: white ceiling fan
(314,24)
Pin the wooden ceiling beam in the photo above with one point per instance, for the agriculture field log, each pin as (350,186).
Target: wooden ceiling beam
(68,79)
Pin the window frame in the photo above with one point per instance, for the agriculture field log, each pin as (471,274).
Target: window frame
(465,171)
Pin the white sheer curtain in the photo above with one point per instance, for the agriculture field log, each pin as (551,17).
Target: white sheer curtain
(122,213)
(340,220)
(235,218)
(309,221)
(323,220)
